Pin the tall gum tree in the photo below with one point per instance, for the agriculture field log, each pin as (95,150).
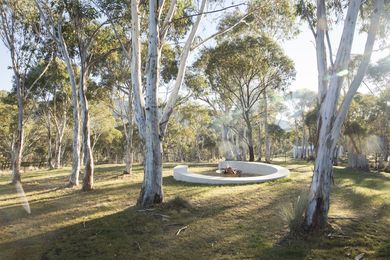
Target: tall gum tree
(152,127)
(54,25)
(20,33)
(333,107)
(245,68)
(91,44)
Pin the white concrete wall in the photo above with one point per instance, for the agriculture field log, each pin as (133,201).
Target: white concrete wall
(256,168)
(263,172)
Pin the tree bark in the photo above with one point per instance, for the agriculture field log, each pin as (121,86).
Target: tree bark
(250,137)
(55,31)
(152,190)
(49,141)
(330,119)
(260,144)
(86,132)
(304,139)
(74,177)
(319,196)
(152,129)
(18,151)
(266,134)
(129,135)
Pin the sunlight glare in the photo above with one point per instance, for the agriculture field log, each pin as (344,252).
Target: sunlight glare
(22,197)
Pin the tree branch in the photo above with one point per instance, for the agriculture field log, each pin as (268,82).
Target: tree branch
(209,12)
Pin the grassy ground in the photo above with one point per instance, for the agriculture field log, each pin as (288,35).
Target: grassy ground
(222,222)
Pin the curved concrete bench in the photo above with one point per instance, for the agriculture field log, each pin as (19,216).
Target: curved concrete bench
(264,172)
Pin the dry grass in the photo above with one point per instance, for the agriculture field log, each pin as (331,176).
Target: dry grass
(222,221)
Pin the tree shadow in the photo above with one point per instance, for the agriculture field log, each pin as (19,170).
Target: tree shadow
(221,222)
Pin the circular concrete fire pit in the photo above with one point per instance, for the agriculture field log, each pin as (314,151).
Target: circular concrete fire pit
(261,172)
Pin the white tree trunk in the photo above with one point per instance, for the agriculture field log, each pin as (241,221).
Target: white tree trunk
(76,145)
(18,150)
(49,142)
(266,134)
(304,139)
(151,191)
(86,133)
(136,76)
(129,134)
(181,71)
(330,119)
(152,129)
(55,31)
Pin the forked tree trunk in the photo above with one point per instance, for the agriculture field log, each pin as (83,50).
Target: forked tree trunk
(86,135)
(331,119)
(55,31)
(151,190)
(152,129)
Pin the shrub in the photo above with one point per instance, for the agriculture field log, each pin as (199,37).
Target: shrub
(293,213)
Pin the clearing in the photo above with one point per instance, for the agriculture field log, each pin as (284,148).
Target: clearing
(214,221)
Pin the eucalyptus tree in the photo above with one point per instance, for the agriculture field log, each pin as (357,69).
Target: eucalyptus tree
(245,68)
(151,128)
(162,17)
(379,75)
(54,20)
(331,74)
(90,42)
(21,34)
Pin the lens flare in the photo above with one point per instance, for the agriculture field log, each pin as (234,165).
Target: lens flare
(22,197)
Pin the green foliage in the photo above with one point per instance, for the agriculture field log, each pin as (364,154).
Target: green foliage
(190,135)
(8,114)
(273,18)
(103,125)
(293,213)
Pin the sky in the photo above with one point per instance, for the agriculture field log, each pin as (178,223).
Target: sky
(300,49)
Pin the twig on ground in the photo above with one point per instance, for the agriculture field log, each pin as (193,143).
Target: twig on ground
(181,229)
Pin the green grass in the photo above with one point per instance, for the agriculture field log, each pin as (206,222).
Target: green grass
(223,222)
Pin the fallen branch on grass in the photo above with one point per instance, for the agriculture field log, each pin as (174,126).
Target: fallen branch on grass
(181,229)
